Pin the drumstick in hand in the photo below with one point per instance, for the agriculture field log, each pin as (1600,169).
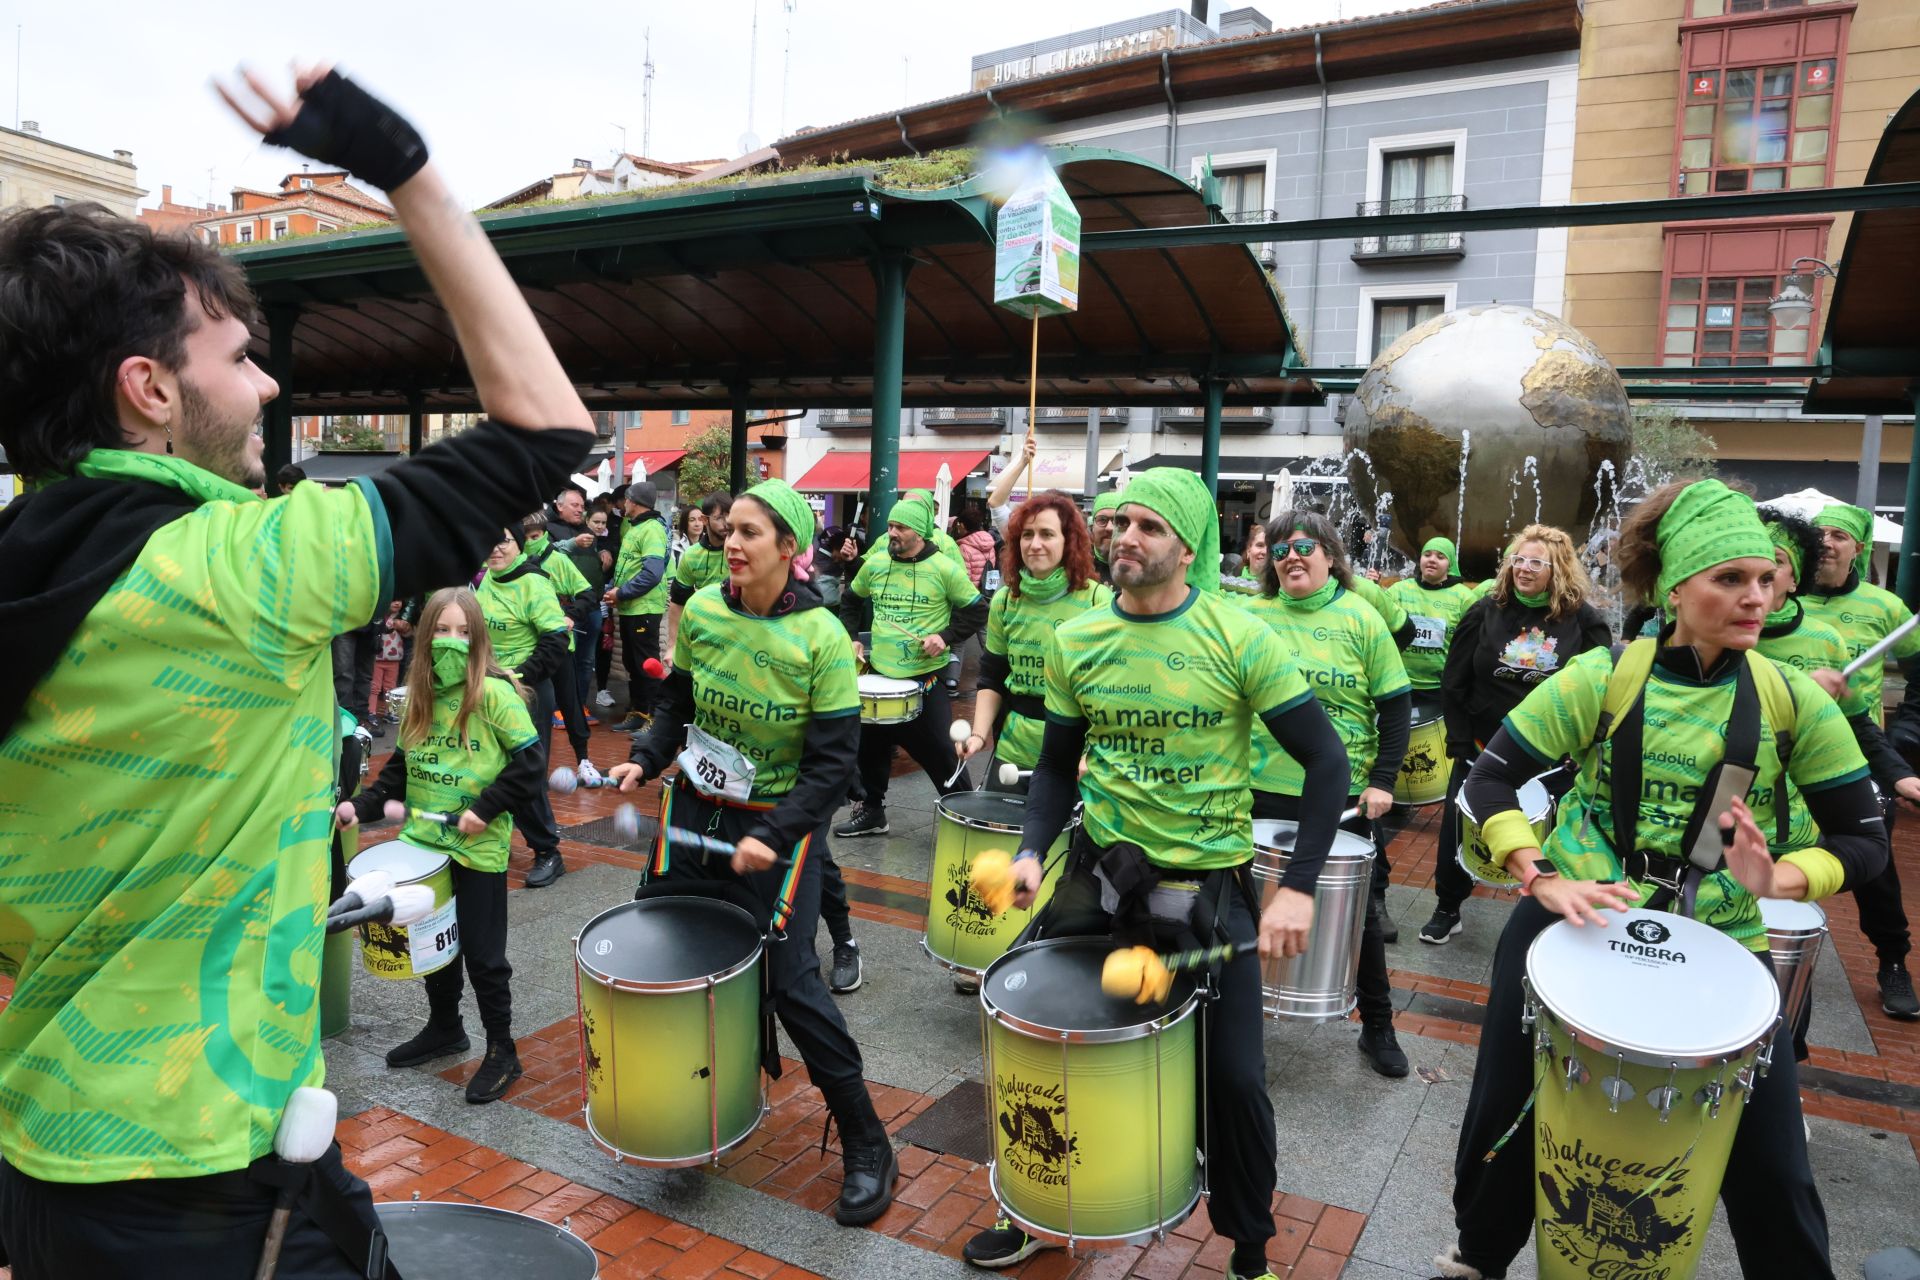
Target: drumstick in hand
(1144,976)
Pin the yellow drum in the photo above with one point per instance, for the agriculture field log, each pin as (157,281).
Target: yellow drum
(961,933)
(418,949)
(885,700)
(1423,774)
(1649,1036)
(1473,855)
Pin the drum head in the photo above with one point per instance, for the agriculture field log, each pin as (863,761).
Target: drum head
(999,809)
(1278,834)
(1534,798)
(878,686)
(1056,984)
(665,940)
(1654,985)
(404,862)
(1427,706)
(430,1240)
(1783,915)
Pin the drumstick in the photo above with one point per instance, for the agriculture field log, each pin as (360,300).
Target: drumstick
(305,1133)
(406,905)
(1011,774)
(1878,647)
(1141,975)
(960,731)
(395,811)
(705,843)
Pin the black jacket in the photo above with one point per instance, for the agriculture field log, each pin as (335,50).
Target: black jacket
(1501,653)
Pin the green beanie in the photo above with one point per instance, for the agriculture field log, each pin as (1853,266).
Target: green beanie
(1708,524)
(1181,499)
(1856,523)
(913,514)
(1445,547)
(1106,501)
(779,497)
(1782,537)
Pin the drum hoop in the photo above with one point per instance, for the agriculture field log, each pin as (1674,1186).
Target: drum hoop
(422,878)
(601,978)
(1142,1237)
(1333,854)
(951,966)
(977,824)
(460,1209)
(1107,1035)
(706,1156)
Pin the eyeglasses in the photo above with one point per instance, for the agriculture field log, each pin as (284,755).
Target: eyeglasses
(1534,563)
(1302,547)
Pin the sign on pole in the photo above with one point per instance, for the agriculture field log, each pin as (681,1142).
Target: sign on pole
(1036,260)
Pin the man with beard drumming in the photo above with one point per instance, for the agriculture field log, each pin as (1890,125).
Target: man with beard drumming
(167,730)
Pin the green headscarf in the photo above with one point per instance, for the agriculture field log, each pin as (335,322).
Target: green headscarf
(1856,523)
(1106,501)
(1445,547)
(779,497)
(913,514)
(1707,524)
(1181,499)
(1782,537)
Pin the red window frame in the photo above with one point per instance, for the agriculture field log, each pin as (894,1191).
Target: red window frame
(1715,284)
(1759,101)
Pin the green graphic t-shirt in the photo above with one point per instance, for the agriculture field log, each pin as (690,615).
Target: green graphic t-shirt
(701,566)
(757,682)
(640,539)
(1807,644)
(446,774)
(1348,659)
(1017,630)
(1389,609)
(165,814)
(1863,616)
(1168,702)
(1684,738)
(519,610)
(911,599)
(1435,612)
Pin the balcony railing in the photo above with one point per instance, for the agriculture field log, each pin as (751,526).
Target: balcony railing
(845,419)
(1264,252)
(962,419)
(1437,244)
(1076,415)
(1232,418)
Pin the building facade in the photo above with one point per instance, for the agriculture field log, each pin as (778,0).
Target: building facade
(35,170)
(307,203)
(1692,97)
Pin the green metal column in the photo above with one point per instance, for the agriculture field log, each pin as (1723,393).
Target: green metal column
(278,424)
(889,352)
(737,452)
(1216,389)
(1909,569)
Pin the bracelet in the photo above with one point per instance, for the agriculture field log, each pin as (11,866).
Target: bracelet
(970,737)
(1027,853)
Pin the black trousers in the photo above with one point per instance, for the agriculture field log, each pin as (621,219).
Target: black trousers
(556,692)
(1779,1226)
(833,897)
(1373,990)
(1883,917)
(208,1228)
(1451,883)
(353,655)
(800,997)
(640,640)
(927,738)
(1236,1112)
(480,911)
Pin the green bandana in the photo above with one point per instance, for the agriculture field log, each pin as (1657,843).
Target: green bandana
(501,573)
(1782,537)
(1106,501)
(779,497)
(162,469)
(449,661)
(913,514)
(1532,602)
(1046,588)
(1313,601)
(1856,523)
(1445,547)
(1708,524)
(1181,499)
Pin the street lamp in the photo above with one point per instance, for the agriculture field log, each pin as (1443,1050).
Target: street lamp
(1793,306)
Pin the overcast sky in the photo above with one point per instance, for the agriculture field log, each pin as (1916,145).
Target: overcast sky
(507,91)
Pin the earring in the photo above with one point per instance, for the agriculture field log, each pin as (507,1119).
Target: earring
(167,426)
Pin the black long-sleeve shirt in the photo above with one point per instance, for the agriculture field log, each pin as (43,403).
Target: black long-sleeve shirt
(1500,653)
(519,781)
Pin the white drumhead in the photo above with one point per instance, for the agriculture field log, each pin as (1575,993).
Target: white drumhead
(1783,915)
(405,862)
(1534,801)
(1277,836)
(878,686)
(1654,984)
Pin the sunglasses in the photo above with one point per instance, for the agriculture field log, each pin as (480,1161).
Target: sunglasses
(1302,547)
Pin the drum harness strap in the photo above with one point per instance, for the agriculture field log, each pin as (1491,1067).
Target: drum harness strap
(329,1209)
(1619,743)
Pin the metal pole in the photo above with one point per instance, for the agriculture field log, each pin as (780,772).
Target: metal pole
(737,448)
(278,423)
(416,422)
(1216,389)
(1093,453)
(1909,569)
(889,353)
(1867,492)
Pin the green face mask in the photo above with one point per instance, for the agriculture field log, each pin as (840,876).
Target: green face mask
(449,660)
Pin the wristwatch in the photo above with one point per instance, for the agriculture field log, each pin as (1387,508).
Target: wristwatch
(1542,868)
(1027,853)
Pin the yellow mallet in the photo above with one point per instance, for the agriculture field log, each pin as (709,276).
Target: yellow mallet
(992,879)
(1144,976)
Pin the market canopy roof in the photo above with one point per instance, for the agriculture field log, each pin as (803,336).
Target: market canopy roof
(1870,339)
(760,291)
(849,470)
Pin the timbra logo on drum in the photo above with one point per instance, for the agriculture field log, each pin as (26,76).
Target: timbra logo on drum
(1033,1118)
(1647,936)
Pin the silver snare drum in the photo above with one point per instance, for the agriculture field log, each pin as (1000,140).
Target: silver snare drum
(1321,983)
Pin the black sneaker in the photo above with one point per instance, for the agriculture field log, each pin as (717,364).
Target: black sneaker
(867,820)
(634,723)
(1001,1245)
(1896,993)
(1383,1051)
(845,974)
(967,986)
(1441,928)
(547,867)
(436,1040)
(499,1069)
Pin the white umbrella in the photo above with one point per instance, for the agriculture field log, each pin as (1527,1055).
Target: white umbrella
(604,474)
(942,494)
(1283,491)
(592,486)
(639,470)
(1806,503)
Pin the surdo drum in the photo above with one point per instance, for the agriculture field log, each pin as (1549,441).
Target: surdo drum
(962,934)
(1795,932)
(1648,1036)
(426,945)
(1423,772)
(1472,853)
(1321,984)
(1091,1100)
(669,990)
(437,1240)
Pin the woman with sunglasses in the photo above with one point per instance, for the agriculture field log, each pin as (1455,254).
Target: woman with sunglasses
(1534,620)
(1343,648)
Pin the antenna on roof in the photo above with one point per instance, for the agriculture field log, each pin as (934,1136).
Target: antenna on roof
(786,65)
(750,141)
(646,98)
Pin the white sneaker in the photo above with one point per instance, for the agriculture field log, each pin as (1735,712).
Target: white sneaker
(603,699)
(589,776)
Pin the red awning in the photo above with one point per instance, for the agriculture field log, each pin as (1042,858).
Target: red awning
(848,470)
(657,460)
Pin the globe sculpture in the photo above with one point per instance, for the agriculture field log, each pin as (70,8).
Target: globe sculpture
(1490,386)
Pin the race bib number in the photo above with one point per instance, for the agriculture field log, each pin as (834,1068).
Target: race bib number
(715,768)
(1428,633)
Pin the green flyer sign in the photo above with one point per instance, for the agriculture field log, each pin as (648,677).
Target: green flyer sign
(1036,258)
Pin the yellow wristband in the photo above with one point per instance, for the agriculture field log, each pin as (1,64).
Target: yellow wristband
(1825,873)
(1505,832)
